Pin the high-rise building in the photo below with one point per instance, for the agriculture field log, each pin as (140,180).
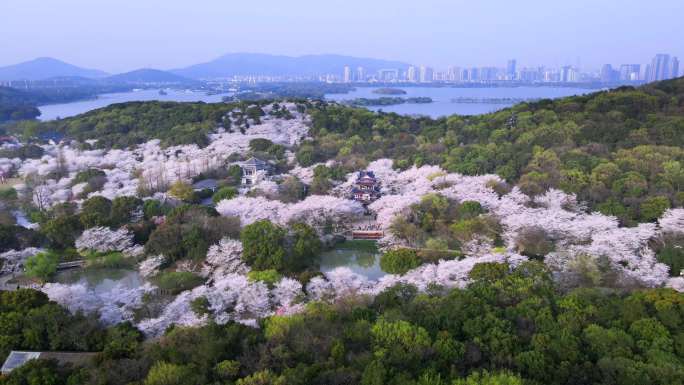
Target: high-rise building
(472,75)
(511,73)
(347,76)
(488,74)
(412,74)
(608,74)
(426,74)
(663,67)
(360,74)
(568,74)
(674,67)
(388,75)
(630,72)
(530,74)
(454,74)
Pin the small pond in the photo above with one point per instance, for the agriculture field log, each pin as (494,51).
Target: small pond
(361,260)
(101,279)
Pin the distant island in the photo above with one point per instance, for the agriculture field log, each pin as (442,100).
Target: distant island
(388,101)
(389,91)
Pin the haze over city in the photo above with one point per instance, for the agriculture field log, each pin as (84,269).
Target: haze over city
(118,36)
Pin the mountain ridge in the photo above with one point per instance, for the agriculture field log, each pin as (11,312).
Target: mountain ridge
(246,64)
(149,75)
(42,68)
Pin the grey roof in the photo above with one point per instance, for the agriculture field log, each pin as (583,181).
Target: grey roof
(18,358)
(255,162)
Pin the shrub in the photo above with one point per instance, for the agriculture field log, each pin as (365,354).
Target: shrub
(182,191)
(108,260)
(200,306)
(671,253)
(269,277)
(226,192)
(178,281)
(260,144)
(399,261)
(533,242)
(653,207)
(227,369)
(42,265)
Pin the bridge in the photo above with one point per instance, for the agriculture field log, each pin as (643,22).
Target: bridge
(367,234)
(71,264)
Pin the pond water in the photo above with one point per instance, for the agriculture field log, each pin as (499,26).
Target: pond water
(443,105)
(363,262)
(101,280)
(65,110)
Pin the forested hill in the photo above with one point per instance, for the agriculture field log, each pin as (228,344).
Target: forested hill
(621,151)
(16,105)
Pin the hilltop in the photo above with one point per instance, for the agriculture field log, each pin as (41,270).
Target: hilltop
(44,68)
(150,76)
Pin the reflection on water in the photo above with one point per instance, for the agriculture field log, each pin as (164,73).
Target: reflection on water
(101,279)
(366,263)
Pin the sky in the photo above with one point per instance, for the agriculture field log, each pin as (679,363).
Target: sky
(122,35)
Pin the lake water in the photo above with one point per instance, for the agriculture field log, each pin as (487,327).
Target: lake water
(65,110)
(101,280)
(363,262)
(442,104)
(442,99)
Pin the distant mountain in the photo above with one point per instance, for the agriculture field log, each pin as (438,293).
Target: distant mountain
(45,67)
(244,64)
(147,76)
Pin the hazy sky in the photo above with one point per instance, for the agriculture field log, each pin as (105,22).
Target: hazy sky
(121,35)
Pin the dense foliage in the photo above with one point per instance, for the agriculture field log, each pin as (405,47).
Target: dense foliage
(16,105)
(126,124)
(507,327)
(269,246)
(619,150)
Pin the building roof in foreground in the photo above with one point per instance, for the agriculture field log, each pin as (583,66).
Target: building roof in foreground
(18,358)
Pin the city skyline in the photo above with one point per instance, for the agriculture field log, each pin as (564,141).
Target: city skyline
(663,66)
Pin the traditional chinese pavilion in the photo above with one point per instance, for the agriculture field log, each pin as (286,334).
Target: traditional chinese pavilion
(366,188)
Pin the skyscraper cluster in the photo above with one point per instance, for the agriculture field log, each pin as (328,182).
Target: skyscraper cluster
(663,66)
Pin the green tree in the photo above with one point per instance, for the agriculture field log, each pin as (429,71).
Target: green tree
(123,209)
(291,190)
(486,378)
(263,245)
(653,207)
(182,191)
(96,211)
(62,231)
(226,192)
(164,373)
(305,247)
(400,342)
(399,261)
(42,265)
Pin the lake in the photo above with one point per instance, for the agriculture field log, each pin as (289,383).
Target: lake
(360,261)
(442,104)
(101,280)
(442,99)
(65,110)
